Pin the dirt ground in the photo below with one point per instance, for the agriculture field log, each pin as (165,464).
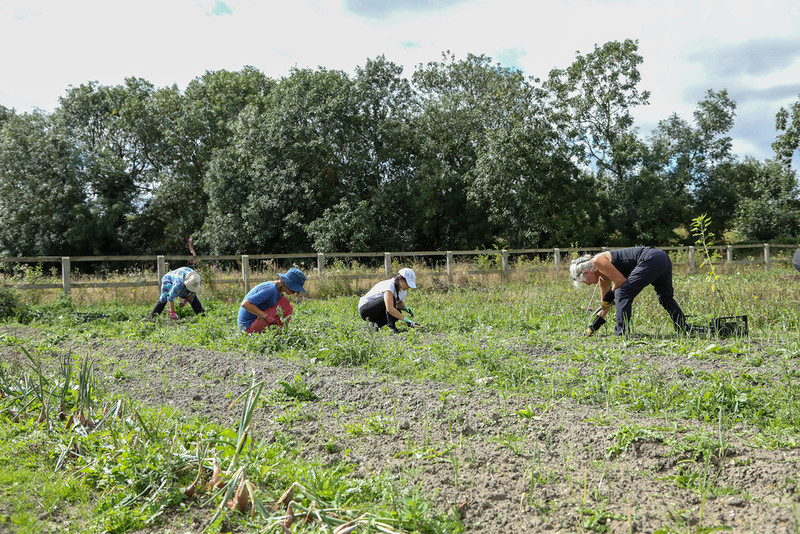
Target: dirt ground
(469,447)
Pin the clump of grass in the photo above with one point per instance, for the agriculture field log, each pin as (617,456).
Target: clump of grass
(138,464)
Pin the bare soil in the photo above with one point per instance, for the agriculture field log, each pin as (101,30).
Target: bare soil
(468,447)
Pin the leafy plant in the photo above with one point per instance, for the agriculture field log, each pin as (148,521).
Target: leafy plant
(9,302)
(704,240)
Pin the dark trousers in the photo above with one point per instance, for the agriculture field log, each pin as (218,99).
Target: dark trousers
(197,307)
(654,268)
(375,312)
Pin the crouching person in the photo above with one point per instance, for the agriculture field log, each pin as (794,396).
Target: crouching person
(266,304)
(183,283)
(384,304)
(622,274)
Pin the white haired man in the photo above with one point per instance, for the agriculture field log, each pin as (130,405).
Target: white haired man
(622,274)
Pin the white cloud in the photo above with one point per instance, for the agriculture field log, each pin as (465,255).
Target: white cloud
(748,47)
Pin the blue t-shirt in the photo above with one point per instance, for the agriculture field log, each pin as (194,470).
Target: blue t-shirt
(265,295)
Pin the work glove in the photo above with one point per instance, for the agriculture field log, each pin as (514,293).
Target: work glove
(595,325)
(173,315)
(410,323)
(409,311)
(182,304)
(608,300)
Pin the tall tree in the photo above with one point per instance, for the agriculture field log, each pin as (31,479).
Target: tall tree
(787,142)
(531,191)
(696,165)
(374,211)
(459,103)
(594,97)
(117,134)
(43,208)
(773,210)
(194,125)
(285,165)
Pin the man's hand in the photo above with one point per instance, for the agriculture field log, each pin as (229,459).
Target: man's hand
(409,311)
(173,315)
(411,324)
(598,321)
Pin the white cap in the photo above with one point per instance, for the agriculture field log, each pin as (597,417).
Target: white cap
(192,281)
(411,278)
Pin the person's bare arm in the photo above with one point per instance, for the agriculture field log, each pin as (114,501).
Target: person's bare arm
(388,299)
(607,270)
(252,308)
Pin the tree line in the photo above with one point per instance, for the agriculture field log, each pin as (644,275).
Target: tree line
(463,154)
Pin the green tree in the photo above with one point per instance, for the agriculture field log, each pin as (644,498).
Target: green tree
(459,104)
(194,125)
(642,211)
(787,142)
(533,194)
(287,162)
(374,211)
(43,207)
(117,133)
(773,210)
(594,97)
(695,164)
(5,114)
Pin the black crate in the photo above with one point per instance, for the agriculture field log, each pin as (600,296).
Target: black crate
(732,326)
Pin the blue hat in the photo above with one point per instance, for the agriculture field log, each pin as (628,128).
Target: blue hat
(294,280)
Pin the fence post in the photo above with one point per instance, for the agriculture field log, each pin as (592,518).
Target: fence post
(387,263)
(504,254)
(557,258)
(65,281)
(691,259)
(766,256)
(729,254)
(160,269)
(246,272)
(321,264)
(450,266)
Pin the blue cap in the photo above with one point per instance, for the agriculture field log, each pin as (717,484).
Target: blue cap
(294,280)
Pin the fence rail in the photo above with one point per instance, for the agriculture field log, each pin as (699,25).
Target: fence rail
(558,259)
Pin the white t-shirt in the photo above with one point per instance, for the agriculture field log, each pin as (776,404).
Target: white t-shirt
(379,289)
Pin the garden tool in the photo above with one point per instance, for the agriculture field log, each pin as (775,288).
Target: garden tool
(596,321)
(411,324)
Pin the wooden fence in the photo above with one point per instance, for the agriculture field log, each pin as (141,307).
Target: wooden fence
(552,259)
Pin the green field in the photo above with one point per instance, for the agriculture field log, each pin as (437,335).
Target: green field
(498,416)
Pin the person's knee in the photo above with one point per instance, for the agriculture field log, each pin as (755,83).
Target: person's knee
(286,307)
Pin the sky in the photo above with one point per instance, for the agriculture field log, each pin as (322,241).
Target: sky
(750,48)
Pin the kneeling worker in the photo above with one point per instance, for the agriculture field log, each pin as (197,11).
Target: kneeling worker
(259,309)
(384,304)
(622,274)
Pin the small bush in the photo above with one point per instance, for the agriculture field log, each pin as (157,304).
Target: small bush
(9,302)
